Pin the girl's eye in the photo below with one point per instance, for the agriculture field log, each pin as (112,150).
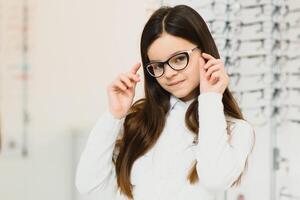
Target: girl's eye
(179,59)
(157,65)
(160,65)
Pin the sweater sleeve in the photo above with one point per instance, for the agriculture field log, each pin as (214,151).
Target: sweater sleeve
(220,162)
(95,170)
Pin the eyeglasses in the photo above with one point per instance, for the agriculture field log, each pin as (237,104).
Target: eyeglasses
(177,62)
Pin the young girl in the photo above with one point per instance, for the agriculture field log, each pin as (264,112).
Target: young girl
(187,139)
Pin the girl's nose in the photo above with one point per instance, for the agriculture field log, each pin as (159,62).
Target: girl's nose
(169,72)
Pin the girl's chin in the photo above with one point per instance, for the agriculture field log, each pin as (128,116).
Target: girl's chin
(185,96)
(180,94)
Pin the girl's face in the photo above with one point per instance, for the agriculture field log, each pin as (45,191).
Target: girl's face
(162,49)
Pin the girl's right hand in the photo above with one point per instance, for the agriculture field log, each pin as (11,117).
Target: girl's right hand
(121,92)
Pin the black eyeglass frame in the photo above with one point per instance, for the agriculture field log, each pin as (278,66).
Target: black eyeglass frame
(186,52)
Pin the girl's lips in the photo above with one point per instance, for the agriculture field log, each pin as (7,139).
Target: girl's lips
(176,83)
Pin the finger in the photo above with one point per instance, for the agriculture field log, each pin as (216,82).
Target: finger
(211,70)
(135,68)
(221,77)
(119,85)
(212,62)
(134,82)
(201,70)
(208,56)
(134,77)
(215,77)
(223,81)
(126,80)
(122,87)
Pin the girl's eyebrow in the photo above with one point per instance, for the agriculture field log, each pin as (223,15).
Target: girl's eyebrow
(176,52)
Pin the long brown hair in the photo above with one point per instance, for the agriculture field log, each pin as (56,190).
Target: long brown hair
(146,118)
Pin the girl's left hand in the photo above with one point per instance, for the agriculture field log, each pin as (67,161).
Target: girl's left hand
(213,77)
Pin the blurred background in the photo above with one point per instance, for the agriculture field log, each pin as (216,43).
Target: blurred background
(57,57)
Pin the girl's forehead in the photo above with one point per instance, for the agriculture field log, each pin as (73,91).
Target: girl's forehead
(166,45)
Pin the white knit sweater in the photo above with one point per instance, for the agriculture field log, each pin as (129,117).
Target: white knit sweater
(161,173)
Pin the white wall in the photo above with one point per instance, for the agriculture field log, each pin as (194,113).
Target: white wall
(78,47)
